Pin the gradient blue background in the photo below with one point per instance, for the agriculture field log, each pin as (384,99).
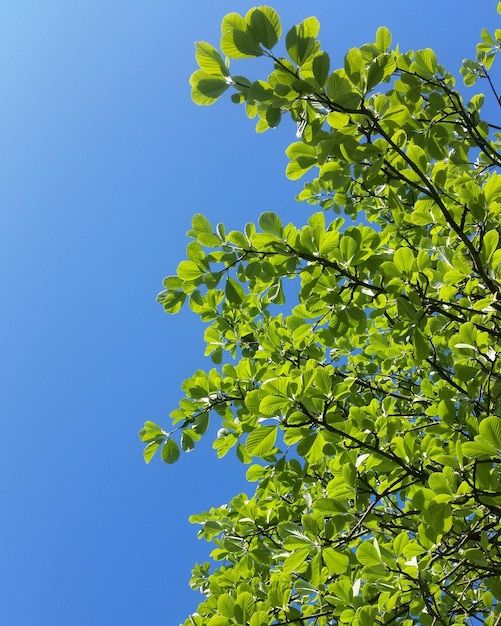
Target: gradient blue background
(103,161)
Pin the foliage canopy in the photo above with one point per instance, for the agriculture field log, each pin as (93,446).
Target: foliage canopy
(357,362)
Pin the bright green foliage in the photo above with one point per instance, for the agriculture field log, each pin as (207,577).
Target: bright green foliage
(357,363)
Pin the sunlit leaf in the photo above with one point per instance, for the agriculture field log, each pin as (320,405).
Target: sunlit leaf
(383,38)
(170,451)
(209,59)
(367,554)
(301,40)
(207,88)
(261,442)
(150,450)
(265,24)
(270,223)
(237,41)
(490,431)
(188,270)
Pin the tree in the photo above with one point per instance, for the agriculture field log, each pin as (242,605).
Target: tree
(357,363)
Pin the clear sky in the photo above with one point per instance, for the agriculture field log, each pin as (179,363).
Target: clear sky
(104,159)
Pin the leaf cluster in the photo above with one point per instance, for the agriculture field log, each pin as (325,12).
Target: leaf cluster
(356,364)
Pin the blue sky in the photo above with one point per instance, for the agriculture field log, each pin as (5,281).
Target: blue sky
(104,160)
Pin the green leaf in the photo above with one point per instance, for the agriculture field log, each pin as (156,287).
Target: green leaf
(418,156)
(490,432)
(478,450)
(260,91)
(420,217)
(273,405)
(304,588)
(492,188)
(293,536)
(341,92)
(438,482)
(209,240)
(238,239)
(209,59)
(200,224)
(245,602)
(237,41)
(270,223)
(260,618)
(425,63)
(490,244)
(354,66)
(422,346)
(380,69)
(295,560)
(298,168)
(273,117)
(302,156)
(438,518)
(487,37)
(320,67)
(301,40)
(261,441)
(329,242)
(254,473)
(404,260)
(207,88)
(367,554)
(336,562)
(188,270)
(348,247)
(234,292)
(300,150)
(218,620)
(150,432)
(188,439)
(383,38)
(172,302)
(338,120)
(226,605)
(265,25)
(170,451)
(343,589)
(150,450)
(195,251)
(172,282)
